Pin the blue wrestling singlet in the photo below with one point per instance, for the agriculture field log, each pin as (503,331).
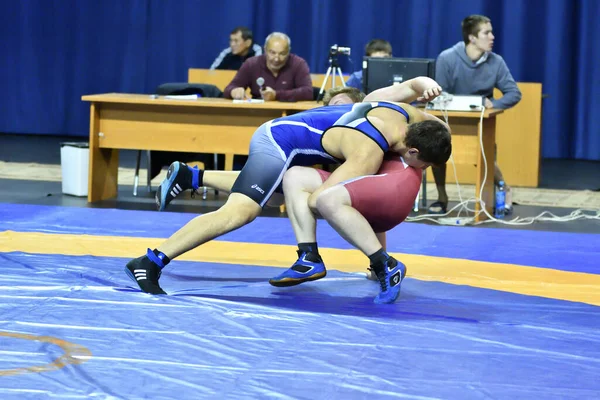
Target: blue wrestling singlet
(296,140)
(301,133)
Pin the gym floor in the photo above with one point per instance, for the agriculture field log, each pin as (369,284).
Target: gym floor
(485,312)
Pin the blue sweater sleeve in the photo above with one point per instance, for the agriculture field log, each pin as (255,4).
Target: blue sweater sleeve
(443,73)
(355,80)
(511,94)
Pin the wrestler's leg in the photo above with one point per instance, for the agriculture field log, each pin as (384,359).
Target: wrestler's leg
(298,184)
(220,180)
(360,207)
(253,187)
(335,205)
(382,237)
(239,210)
(355,207)
(224,180)
(182,177)
(236,212)
(255,184)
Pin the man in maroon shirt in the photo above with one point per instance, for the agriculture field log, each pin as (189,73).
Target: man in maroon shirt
(285,76)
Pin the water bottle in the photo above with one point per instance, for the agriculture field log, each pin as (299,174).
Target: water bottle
(500,200)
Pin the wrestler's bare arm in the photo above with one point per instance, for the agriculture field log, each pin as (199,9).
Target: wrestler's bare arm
(416,115)
(425,116)
(417,89)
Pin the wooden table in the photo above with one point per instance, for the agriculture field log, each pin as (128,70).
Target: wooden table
(518,137)
(139,122)
(467,154)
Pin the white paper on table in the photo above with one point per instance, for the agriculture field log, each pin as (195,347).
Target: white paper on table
(182,97)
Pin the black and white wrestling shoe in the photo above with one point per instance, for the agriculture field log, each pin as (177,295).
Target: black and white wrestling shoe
(180,178)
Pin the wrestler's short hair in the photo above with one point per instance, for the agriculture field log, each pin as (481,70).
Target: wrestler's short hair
(355,95)
(432,139)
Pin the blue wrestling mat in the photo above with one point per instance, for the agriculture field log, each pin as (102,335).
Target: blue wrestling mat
(75,327)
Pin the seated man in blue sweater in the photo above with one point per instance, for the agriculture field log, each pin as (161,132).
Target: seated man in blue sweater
(471,68)
(375,48)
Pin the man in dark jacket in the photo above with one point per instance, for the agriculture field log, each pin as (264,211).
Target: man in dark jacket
(241,47)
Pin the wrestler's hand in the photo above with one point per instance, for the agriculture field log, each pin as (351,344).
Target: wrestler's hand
(239,93)
(430,94)
(268,94)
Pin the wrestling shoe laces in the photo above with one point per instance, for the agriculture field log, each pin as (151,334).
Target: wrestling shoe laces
(390,275)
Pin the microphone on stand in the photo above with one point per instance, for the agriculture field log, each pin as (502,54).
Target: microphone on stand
(260,81)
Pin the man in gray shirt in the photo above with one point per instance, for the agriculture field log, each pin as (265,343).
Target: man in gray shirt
(471,68)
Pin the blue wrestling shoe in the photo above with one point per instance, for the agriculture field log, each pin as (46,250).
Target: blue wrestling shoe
(180,178)
(390,276)
(303,270)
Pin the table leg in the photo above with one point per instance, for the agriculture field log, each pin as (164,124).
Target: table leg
(229,162)
(104,163)
(485,169)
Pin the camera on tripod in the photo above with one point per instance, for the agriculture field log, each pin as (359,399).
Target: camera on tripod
(335,50)
(334,68)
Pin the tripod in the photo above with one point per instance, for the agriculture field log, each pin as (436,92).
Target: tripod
(333,70)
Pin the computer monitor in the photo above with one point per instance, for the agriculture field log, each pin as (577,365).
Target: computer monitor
(382,72)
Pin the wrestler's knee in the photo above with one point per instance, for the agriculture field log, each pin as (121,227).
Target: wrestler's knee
(332,199)
(301,178)
(292,178)
(240,210)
